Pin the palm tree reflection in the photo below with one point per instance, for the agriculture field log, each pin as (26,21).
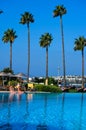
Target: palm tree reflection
(28,98)
(9,112)
(62,112)
(10,99)
(43,125)
(81,112)
(27,106)
(45,109)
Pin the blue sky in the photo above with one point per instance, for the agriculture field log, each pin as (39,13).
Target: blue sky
(74,23)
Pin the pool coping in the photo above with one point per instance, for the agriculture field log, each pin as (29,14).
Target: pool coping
(25,92)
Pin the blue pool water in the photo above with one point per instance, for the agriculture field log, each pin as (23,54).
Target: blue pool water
(43,111)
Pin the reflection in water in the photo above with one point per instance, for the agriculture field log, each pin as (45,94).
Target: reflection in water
(34,111)
(7,100)
(81,112)
(9,115)
(63,112)
(29,96)
(7,126)
(45,109)
(43,125)
(11,96)
(10,100)
(4,98)
(1,99)
(18,95)
(27,106)
(61,123)
(26,116)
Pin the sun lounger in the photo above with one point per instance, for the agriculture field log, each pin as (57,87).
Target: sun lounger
(84,90)
(79,89)
(64,89)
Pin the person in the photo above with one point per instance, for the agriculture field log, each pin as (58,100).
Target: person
(19,90)
(19,93)
(11,89)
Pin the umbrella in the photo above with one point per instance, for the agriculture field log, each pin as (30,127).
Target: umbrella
(3,74)
(11,75)
(20,75)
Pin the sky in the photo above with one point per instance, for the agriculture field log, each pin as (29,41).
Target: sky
(74,25)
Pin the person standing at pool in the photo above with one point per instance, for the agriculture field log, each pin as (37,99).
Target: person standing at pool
(11,89)
(19,89)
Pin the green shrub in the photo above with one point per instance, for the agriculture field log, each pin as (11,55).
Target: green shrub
(48,88)
(52,81)
(72,90)
(12,83)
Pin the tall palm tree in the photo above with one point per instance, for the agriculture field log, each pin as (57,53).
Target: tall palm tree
(45,41)
(27,18)
(60,11)
(80,43)
(9,36)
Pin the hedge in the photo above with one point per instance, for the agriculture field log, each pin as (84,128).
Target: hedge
(47,88)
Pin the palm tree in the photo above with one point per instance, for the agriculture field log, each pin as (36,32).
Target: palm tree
(27,18)
(60,11)
(45,41)
(9,36)
(80,43)
(7,70)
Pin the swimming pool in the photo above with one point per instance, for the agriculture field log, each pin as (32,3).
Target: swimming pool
(43,111)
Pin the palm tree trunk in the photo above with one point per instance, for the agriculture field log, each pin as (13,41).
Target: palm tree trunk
(28,66)
(10,55)
(82,68)
(63,52)
(46,81)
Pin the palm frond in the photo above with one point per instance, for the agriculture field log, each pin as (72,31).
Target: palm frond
(79,43)
(26,18)
(9,36)
(45,40)
(59,11)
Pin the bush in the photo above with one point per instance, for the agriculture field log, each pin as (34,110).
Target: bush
(72,90)
(52,81)
(48,88)
(12,83)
